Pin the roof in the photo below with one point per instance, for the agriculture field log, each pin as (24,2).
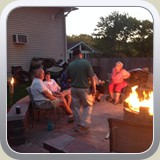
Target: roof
(71,46)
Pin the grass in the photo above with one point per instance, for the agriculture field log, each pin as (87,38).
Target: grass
(19,92)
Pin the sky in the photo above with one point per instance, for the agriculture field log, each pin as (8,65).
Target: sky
(85,19)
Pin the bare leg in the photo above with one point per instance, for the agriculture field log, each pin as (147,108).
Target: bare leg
(69,98)
(111,95)
(65,106)
(67,94)
(117,96)
(99,96)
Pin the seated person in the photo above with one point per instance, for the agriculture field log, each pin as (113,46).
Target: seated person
(52,85)
(117,83)
(64,81)
(100,88)
(44,98)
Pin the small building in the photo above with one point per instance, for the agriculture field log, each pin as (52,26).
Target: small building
(36,32)
(84,48)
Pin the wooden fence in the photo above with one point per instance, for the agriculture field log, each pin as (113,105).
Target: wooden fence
(103,66)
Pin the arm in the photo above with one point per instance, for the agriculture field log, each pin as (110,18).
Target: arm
(126,74)
(48,95)
(92,78)
(93,82)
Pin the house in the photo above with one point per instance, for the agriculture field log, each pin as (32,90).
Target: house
(36,32)
(84,48)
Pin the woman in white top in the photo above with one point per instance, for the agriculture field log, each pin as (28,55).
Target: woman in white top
(52,85)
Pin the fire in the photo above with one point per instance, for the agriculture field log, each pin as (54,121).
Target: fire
(135,102)
(12,81)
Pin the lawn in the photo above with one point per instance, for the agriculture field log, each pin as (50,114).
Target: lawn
(19,92)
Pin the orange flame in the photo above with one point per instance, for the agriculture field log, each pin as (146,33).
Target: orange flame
(12,81)
(135,103)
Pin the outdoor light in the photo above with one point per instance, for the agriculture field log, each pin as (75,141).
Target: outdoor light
(11,90)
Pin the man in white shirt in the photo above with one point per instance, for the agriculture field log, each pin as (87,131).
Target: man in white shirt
(43,97)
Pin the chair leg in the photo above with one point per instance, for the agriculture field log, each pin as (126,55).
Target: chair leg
(59,114)
(55,114)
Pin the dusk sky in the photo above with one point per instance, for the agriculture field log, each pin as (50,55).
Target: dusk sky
(84,20)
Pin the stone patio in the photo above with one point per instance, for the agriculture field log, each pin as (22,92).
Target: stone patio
(95,136)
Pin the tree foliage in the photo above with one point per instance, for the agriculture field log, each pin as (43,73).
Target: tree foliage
(87,39)
(120,35)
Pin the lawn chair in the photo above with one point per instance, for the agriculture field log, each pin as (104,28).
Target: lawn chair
(38,110)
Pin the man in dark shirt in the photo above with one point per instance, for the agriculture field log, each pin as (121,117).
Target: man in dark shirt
(80,72)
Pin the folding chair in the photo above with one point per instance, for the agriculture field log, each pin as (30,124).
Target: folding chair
(38,110)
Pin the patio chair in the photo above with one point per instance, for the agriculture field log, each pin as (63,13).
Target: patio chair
(38,110)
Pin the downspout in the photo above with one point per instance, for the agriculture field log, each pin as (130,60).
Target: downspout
(65,41)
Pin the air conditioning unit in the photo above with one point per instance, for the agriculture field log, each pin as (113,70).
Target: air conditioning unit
(20,39)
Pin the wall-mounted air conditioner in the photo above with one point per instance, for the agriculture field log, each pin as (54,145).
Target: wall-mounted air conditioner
(20,39)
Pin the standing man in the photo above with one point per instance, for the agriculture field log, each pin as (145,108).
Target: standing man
(80,72)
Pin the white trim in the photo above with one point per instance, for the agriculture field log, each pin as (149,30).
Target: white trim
(80,44)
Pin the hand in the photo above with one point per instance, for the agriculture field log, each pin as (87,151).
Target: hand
(103,82)
(93,92)
(53,98)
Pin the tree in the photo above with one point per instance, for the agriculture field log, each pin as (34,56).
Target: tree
(143,42)
(118,32)
(87,39)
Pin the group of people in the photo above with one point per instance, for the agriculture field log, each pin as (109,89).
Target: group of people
(78,100)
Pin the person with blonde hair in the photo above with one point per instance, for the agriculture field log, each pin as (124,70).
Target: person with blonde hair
(118,76)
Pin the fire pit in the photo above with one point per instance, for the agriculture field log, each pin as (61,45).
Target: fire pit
(134,133)
(138,100)
(138,106)
(142,116)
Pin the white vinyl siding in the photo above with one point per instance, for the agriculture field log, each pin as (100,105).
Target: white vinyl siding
(46,37)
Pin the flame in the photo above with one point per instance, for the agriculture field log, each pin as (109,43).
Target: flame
(135,102)
(12,81)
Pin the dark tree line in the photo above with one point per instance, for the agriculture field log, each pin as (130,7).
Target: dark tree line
(120,35)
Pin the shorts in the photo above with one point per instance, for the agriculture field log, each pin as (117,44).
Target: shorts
(117,87)
(49,104)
